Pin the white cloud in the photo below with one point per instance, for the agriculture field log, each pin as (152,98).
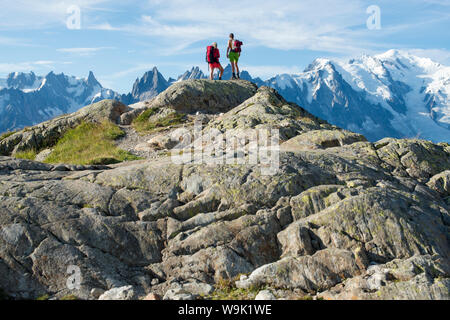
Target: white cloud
(439,55)
(44,63)
(38,66)
(84,51)
(334,26)
(103,26)
(439,2)
(307,24)
(25,66)
(8,41)
(32,14)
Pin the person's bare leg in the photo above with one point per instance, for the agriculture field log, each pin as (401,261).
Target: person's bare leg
(237,70)
(232,67)
(221,72)
(211,75)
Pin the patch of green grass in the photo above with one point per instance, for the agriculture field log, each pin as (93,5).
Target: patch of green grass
(27,129)
(320,298)
(112,132)
(43,297)
(27,154)
(226,290)
(70,297)
(6,135)
(144,116)
(234,294)
(90,143)
(143,124)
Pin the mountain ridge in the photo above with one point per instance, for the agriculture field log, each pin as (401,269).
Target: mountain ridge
(393,94)
(27,99)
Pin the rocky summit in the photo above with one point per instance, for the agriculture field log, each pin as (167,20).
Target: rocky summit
(339,218)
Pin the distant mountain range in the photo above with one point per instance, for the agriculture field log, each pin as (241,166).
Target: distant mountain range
(27,99)
(394,94)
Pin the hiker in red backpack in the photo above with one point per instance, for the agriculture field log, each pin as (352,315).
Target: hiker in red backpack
(233,53)
(212,57)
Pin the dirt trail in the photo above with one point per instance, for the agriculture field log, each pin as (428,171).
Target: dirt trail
(135,143)
(138,144)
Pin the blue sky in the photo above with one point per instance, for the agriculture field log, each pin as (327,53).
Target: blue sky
(120,40)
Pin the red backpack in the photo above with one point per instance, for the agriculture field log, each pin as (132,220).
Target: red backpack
(212,54)
(237,45)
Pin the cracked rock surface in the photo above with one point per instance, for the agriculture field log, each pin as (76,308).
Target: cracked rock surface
(342,218)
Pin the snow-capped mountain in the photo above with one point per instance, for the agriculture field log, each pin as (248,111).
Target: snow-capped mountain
(22,81)
(27,99)
(394,94)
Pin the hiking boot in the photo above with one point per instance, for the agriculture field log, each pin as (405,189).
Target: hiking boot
(238,76)
(233,77)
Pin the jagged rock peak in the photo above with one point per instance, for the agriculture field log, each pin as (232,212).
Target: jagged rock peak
(92,81)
